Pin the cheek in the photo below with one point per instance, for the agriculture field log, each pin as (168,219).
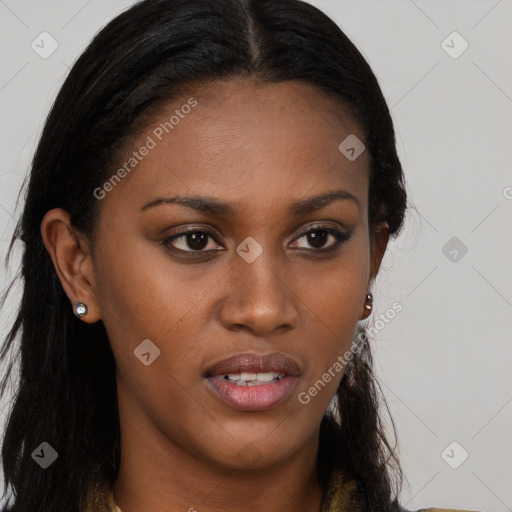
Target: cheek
(334,291)
(147,308)
(135,296)
(144,295)
(333,297)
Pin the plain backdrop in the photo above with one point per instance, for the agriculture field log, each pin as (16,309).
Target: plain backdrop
(445,360)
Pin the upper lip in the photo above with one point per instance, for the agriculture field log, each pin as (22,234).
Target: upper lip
(255,363)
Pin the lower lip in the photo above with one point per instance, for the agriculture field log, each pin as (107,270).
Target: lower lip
(253,398)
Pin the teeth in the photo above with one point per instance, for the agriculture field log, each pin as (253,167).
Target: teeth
(253,379)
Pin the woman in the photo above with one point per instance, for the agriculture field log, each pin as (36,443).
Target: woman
(207,211)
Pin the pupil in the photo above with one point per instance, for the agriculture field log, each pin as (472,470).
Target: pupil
(317,238)
(197,240)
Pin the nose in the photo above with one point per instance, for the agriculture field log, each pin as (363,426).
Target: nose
(259,298)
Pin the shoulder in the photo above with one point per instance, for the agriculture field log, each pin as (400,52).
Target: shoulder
(341,495)
(441,510)
(433,509)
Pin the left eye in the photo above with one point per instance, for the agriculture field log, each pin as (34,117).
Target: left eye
(318,237)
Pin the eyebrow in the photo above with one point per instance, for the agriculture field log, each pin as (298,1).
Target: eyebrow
(214,206)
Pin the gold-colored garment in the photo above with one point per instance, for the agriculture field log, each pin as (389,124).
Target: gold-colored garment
(101,499)
(340,497)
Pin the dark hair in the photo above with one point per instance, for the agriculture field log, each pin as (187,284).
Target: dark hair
(151,53)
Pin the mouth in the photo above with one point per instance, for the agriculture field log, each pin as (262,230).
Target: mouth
(252,379)
(253,382)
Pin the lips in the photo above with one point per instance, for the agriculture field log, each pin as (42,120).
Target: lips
(254,363)
(253,382)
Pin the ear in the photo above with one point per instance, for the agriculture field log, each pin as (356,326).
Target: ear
(72,260)
(378,243)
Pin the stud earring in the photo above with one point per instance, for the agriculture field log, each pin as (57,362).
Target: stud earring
(368,305)
(80,309)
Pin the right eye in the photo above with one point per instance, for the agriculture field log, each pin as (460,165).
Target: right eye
(192,240)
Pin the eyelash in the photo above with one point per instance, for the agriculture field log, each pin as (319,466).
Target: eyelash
(339,236)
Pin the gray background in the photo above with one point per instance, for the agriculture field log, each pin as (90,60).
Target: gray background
(445,360)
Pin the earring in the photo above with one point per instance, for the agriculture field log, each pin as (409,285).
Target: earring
(80,309)
(368,305)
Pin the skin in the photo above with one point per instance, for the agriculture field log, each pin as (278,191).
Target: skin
(262,148)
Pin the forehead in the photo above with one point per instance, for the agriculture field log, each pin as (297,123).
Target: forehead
(245,141)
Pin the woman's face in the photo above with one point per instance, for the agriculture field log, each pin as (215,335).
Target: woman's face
(266,269)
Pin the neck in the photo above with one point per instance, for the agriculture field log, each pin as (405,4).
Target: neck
(146,482)
(156,474)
